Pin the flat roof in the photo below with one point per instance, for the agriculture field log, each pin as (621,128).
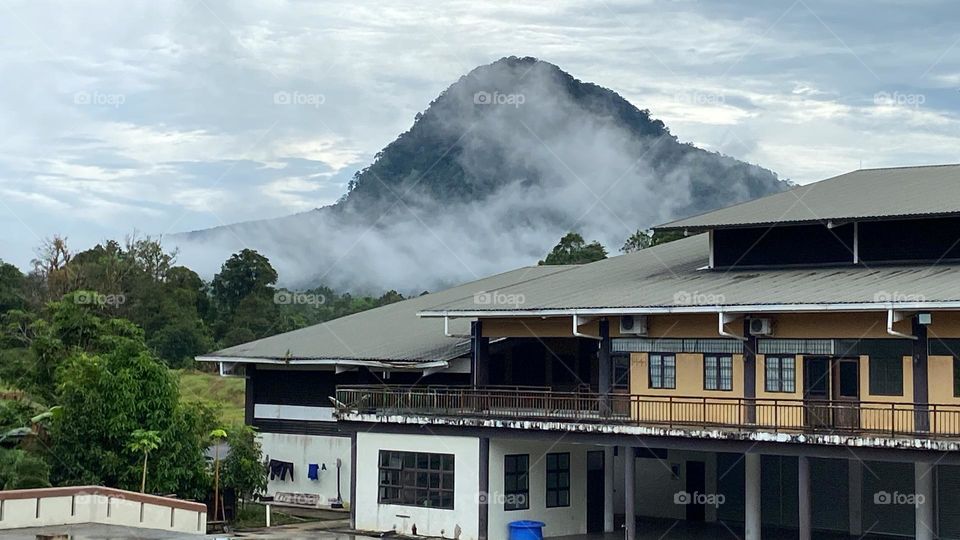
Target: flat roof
(890,193)
(390,335)
(673,278)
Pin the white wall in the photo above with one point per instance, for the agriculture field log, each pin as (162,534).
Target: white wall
(301,450)
(94,508)
(656,484)
(559,521)
(372,516)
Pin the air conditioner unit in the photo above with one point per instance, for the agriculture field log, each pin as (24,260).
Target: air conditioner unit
(761,327)
(633,325)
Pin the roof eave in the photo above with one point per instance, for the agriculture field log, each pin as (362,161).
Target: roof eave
(665,310)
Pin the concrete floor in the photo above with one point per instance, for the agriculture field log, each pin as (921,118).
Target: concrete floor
(88,531)
(657,529)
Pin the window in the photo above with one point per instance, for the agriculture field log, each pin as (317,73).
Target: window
(717,372)
(621,372)
(558,480)
(886,376)
(781,373)
(663,370)
(416,479)
(956,377)
(516,482)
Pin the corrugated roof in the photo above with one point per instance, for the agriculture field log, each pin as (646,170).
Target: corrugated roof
(390,334)
(865,194)
(672,277)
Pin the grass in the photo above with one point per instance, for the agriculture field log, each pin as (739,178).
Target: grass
(253,516)
(225,393)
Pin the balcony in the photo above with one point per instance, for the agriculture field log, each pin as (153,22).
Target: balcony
(673,413)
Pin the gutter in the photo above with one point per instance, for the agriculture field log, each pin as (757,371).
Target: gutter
(722,321)
(892,317)
(577,333)
(742,309)
(405,365)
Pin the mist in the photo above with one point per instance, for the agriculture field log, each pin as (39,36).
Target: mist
(544,153)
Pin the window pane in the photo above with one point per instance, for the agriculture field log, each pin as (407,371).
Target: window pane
(726,373)
(773,374)
(669,372)
(656,371)
(710,372)
(788,374)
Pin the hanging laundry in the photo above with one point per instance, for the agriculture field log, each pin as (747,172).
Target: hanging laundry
(279,469)
(313,471)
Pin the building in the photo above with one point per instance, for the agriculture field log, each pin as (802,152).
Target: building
(792,363)
(291,380)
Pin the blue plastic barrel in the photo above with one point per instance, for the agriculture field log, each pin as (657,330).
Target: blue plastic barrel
(526,530)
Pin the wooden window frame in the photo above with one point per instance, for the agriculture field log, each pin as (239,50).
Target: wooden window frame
(514,498)
(780,387)
(719,369)
(559,472)
(403,484)
(663,378)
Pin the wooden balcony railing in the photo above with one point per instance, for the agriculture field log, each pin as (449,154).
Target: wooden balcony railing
(685,412)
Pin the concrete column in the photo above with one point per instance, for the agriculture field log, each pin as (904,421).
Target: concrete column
(483,480)
(749,374)
(629,466)
(752,496)
(921,350)
(855,484)
(803,496)
(479,355)
(608,489)
(924,494)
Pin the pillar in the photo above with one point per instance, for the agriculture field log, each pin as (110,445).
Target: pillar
(749,374)
(248,392)
(605,368)
(803,497)
(921,412)
(608,489)
(629,506)
(479,355)
(483,481)
(752,496)
(855,485)
(353,480)
(924,500)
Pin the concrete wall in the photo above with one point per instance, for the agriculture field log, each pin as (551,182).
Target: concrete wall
(68,506)
(560,521)
(301,450)
(373,516)
(656,485)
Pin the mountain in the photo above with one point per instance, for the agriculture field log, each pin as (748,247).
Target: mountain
(498,167)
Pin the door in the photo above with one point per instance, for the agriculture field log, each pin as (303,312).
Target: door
(846,393)
(595,491)
(696,488)
(816,392)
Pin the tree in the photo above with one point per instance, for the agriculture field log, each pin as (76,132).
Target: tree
(145,441)
(573,249)
(107,391)
(11,288)
(243,469)
(243,274)
(663,237)
(637,241)
(22,470)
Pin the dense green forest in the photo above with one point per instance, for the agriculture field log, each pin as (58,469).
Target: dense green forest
(89,344)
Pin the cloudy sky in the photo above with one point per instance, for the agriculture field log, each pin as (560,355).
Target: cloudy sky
(176,116)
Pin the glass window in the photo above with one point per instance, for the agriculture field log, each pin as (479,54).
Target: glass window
(781,373)
(663,370)
(717,372)
(558,480)
(621,372)
(886,376)
(516,483)
(416,479)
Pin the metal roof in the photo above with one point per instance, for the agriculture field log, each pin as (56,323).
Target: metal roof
(673,278)
(388,335)
(923,191)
